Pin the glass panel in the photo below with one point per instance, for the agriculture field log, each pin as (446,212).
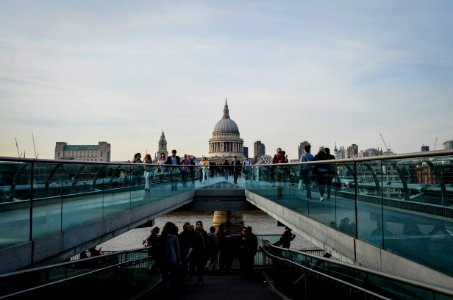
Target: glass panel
(82,200)
(417,226)
(369,202)
(47,192)
(15,194)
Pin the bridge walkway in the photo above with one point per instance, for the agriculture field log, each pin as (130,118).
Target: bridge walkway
(220,286)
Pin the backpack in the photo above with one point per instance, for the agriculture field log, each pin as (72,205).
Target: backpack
(158,252)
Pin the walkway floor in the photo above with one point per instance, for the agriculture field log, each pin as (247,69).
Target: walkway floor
(224,287)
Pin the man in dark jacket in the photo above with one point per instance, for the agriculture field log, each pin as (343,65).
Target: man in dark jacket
(174,160)
(236,166)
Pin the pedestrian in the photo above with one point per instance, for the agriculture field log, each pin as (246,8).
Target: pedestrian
(174,160)
(331,171)
(137,158)
(230,250)
(185,246)
(170,260)
(204,169)
(278,171)
(220,235)
(305,172)
(286,238)
(200,250)
(161,160)
(321,171)
(159,168)
(236,166)
(253,242)
(213,249)
(94,252)
(148,171)
(192,168)
(226,169)
(153,242)
(247,251)
(247,167)
(185,165)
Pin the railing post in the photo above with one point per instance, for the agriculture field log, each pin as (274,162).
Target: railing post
(356,198)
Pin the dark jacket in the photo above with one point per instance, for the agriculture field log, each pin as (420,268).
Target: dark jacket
(178,160)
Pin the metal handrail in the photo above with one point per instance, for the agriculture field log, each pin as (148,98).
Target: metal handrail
(420,285)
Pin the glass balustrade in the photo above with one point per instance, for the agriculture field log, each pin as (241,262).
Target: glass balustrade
(402,204)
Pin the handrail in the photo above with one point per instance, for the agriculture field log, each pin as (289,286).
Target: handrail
(391,278)
(353,286)
(434,153)
(100,264)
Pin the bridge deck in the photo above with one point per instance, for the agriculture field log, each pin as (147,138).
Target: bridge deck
(221,286)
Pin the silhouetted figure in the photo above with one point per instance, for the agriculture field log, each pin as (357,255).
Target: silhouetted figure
(169,258)
(277,171)
(321,171)
(306,169)
(236,166)
(94,252)
(331,170)
(286,238)
(247,251)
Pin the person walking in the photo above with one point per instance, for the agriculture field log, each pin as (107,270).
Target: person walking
(226,169)
(331,171)
(161,160)
(200,250)
(213,249)
(192,168)
(153,242)
(277,171)
(170,259)
(246,253)
(137,158)
(204,169)
(247,167)
(185,165)
(306,169)
(230,250)
(236,166)
(185,246)
(253,243)
(321,171)
(148,172)
(220,235)
(286,238)
(174,160)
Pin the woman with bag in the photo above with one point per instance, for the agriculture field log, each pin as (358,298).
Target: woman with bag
(153,241)
(148,172)
(169,258)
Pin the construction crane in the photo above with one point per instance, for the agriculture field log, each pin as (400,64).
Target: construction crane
(18,152)
(386,148)
(17,147)
(34,146)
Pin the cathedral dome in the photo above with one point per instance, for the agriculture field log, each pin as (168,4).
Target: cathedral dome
(226,125)
(226,141)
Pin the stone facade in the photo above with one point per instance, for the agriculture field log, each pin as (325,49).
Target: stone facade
(226,140)
(99,152)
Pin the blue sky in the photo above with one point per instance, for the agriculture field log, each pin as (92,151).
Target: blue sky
(323,71)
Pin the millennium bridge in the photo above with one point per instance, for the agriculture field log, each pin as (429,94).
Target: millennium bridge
(386,232)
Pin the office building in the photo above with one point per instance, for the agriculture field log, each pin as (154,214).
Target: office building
(99,152)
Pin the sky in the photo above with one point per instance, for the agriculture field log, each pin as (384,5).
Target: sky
(327,72)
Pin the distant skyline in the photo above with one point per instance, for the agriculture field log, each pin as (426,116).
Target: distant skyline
(320,71)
